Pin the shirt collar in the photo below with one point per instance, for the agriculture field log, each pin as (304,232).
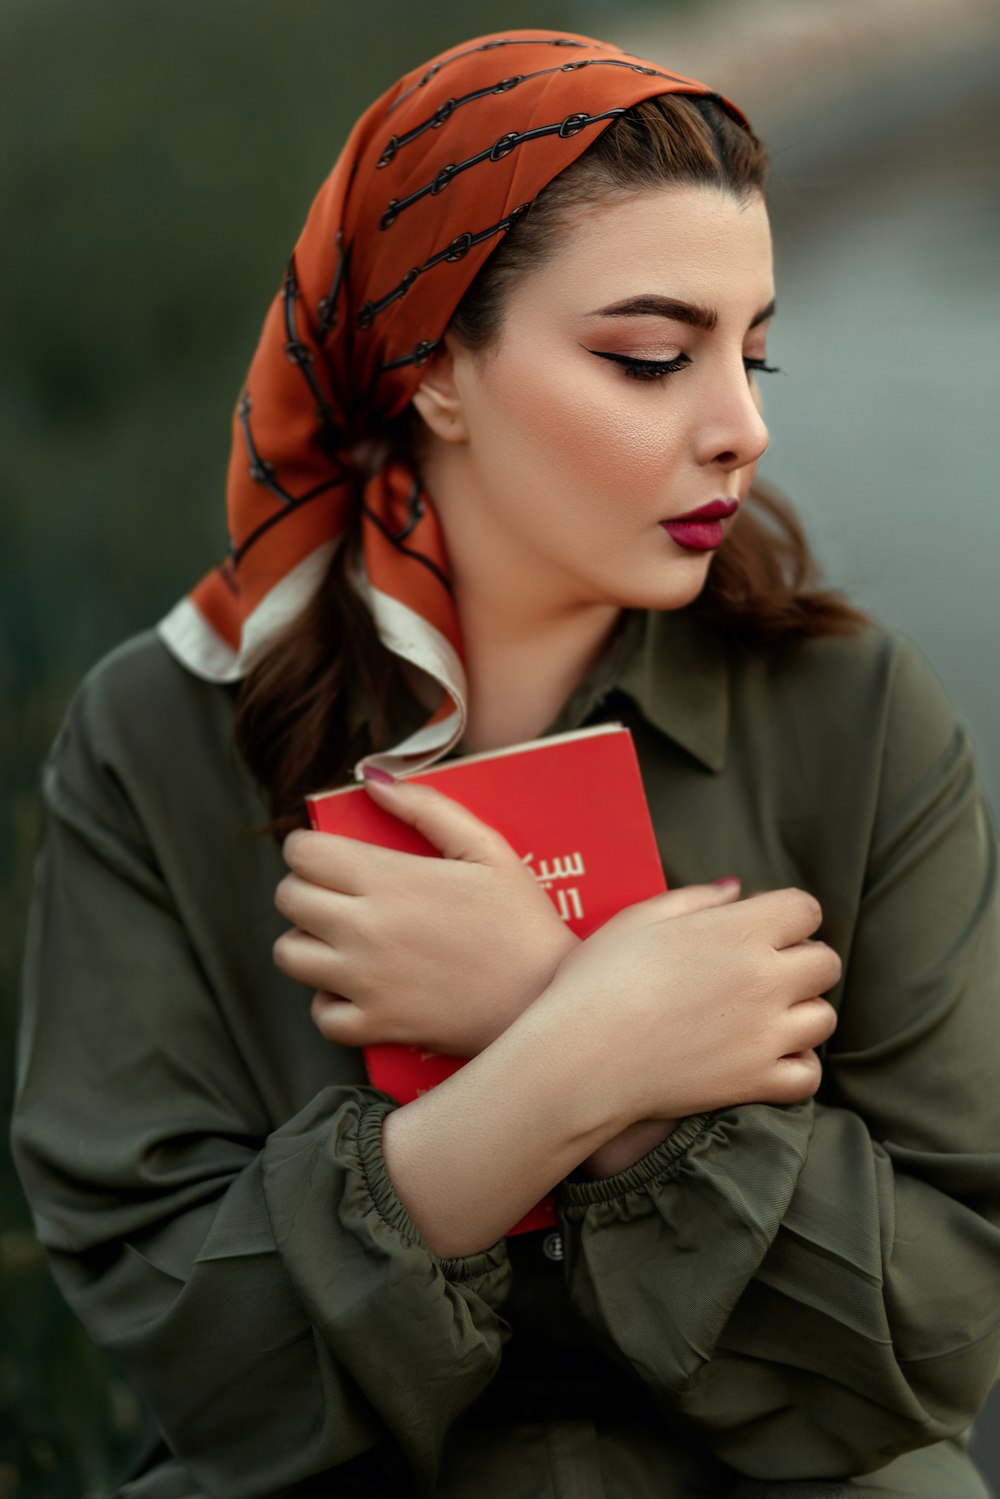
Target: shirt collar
(673,666)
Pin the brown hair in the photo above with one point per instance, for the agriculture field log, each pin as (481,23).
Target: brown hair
(323,693)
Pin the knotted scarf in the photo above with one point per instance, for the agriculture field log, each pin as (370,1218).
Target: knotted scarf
(432,176)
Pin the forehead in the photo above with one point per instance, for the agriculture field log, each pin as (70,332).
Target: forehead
(687,242)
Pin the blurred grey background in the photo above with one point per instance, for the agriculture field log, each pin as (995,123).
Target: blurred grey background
(158,162)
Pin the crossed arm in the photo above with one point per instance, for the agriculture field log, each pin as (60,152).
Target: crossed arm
(715,1004)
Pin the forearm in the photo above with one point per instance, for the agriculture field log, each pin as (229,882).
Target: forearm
(469,1158)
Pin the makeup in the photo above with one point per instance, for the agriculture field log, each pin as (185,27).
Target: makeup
(566,465)
(714,510)
(694,536)
(700,530)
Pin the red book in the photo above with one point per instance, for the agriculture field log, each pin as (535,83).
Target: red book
(573,807)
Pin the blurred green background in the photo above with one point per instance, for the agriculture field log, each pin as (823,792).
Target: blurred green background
(160,159)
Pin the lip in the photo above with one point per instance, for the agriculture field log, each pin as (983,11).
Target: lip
(714,510)
(700,530)
(695,535)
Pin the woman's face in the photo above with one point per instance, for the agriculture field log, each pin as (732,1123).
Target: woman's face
(620,394)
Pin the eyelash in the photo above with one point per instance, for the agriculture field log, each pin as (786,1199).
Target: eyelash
(656,369)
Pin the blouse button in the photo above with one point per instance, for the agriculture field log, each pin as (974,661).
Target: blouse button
(552,1246)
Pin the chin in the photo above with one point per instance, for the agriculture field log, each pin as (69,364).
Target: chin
(685,581)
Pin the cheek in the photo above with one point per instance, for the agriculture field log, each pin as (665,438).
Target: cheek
(614,443)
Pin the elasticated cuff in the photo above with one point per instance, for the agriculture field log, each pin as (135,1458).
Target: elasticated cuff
(470,1267)
(659,1164)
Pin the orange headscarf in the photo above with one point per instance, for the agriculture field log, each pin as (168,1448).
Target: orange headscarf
(432,175)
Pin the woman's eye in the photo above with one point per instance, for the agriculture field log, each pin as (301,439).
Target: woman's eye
(656,369)
(645,369)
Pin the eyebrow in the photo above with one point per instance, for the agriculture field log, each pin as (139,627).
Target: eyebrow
(678,312)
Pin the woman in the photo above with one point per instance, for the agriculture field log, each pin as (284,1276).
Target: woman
(770,1276)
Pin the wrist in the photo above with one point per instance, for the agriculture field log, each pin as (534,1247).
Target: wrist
(569,944)
(628,1147)
(471,1156)
(592,1039)
(567,1062)
(563,942)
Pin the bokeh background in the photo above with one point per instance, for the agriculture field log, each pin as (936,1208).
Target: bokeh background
(157,162)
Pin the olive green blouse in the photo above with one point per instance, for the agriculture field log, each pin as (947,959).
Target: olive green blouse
(798,1301)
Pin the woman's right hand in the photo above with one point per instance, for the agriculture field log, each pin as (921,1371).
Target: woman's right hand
(697,1000)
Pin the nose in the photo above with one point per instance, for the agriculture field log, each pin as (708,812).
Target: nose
(734,433)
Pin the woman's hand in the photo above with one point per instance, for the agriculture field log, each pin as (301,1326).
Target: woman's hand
(710,1004)
(440,953)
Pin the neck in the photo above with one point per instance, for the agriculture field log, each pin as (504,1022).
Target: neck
(528,635)
(521,672)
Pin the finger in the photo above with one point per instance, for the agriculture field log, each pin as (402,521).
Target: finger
(313,908)
(684,901)
(809,1024)
(309,961)
(348,866)
(787,916)
(815,965)
(452,829)
(331,860)
(796,1078)
(338,1019)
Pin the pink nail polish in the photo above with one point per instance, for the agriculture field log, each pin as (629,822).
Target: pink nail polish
(382,777)
(728,879)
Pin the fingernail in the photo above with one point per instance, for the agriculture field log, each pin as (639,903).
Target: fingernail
(728,879)
(382,777)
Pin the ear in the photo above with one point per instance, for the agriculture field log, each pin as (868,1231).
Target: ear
(437,397)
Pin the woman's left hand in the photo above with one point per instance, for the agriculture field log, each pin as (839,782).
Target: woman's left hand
(440,953)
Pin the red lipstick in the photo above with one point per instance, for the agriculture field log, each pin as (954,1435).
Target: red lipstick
(712,511)
(700,530)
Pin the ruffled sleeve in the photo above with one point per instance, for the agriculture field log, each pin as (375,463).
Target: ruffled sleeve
(262,1286)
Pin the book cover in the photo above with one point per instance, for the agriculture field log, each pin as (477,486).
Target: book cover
(572,806)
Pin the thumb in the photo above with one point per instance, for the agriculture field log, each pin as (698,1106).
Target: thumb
(689,898)
(683,901)
(454,831)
